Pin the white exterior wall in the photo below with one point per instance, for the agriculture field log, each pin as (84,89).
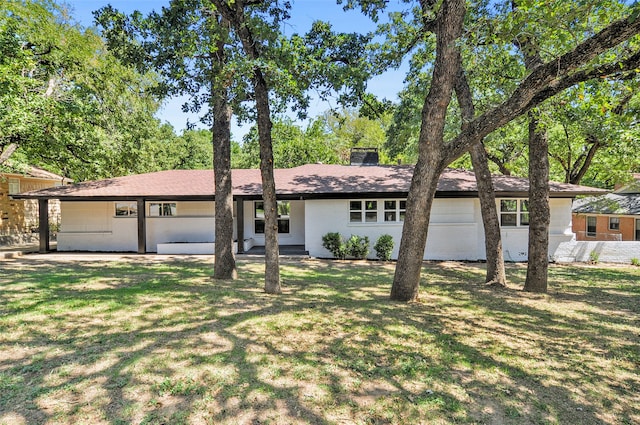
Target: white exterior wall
(179,229)
(515,240)
(194,222)
(297,225)
(453,233)
(455,230)
(92,226)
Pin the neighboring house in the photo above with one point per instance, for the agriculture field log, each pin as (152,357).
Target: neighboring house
(19,218)
(173,211)
(611,217)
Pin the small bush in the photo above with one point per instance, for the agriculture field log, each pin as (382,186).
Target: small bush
(594,257)
(635,262)
(333,242)
(384,247)
(358,247)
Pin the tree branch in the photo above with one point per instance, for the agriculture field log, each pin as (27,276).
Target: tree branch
(7,151)
(549,79)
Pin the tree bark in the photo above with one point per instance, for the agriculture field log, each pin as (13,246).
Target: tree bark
(7,151)
(236,14)
(272,261)
(484,182)
(430,163)
(539,85)
(539,213)
(225,262)
(492,238)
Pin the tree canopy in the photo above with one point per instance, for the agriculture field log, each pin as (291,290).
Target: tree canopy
(65,101)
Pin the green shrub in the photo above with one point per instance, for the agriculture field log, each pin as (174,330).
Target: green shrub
(358,247)
(594,257)
(333,242)
(384,247)
(635,262)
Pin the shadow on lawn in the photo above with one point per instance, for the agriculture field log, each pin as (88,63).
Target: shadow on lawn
(125,342)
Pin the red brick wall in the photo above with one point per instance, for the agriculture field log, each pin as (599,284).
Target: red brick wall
(627,228)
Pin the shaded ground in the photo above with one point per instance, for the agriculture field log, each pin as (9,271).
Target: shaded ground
(152,339)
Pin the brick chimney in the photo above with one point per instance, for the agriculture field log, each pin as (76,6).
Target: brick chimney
(364,156)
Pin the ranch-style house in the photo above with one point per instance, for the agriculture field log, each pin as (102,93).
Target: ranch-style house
(173,211)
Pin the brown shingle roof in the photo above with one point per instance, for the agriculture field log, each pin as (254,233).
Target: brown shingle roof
(31,171)
(312,180)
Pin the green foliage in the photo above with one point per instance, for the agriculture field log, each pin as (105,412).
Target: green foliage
(66,102)
(190,151)
(358,247)
(334,243)
(384,247)
(599,115)
(594,257)
(292,146)
(635,262)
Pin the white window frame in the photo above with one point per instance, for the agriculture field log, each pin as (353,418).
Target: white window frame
(616,221)
(14,186)
(164,209)
(125,209)
(363,211)
(520,213)
(637,232)
(394,210)
(284,217)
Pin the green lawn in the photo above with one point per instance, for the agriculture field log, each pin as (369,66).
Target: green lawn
(156,341)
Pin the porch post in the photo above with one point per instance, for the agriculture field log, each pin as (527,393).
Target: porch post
(142,227)
(240,224)
(43,225)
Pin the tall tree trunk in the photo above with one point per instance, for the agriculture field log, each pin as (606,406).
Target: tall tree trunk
(225,262)
(272,261)
(539,214)
(406,281)
(430,162)
(236,14)
(479,158)
(492,238)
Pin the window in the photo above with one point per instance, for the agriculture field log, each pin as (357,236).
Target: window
(162,209)
(638,229)
(14,186)
(614,223)
(363,209)
(126,209)
(591,226)
(394,210)
(284,213)
(514,212)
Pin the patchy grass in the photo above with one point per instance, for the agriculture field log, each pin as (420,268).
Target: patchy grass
(156,341)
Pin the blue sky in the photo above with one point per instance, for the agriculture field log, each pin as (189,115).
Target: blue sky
(303,13)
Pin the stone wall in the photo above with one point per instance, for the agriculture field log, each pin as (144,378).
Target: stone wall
(19,218)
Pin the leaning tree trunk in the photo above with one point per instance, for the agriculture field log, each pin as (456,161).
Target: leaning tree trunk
(430,164)
(479,158)
(406,281)
(225,262)
(539,215)
(492,238)
(272,261)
